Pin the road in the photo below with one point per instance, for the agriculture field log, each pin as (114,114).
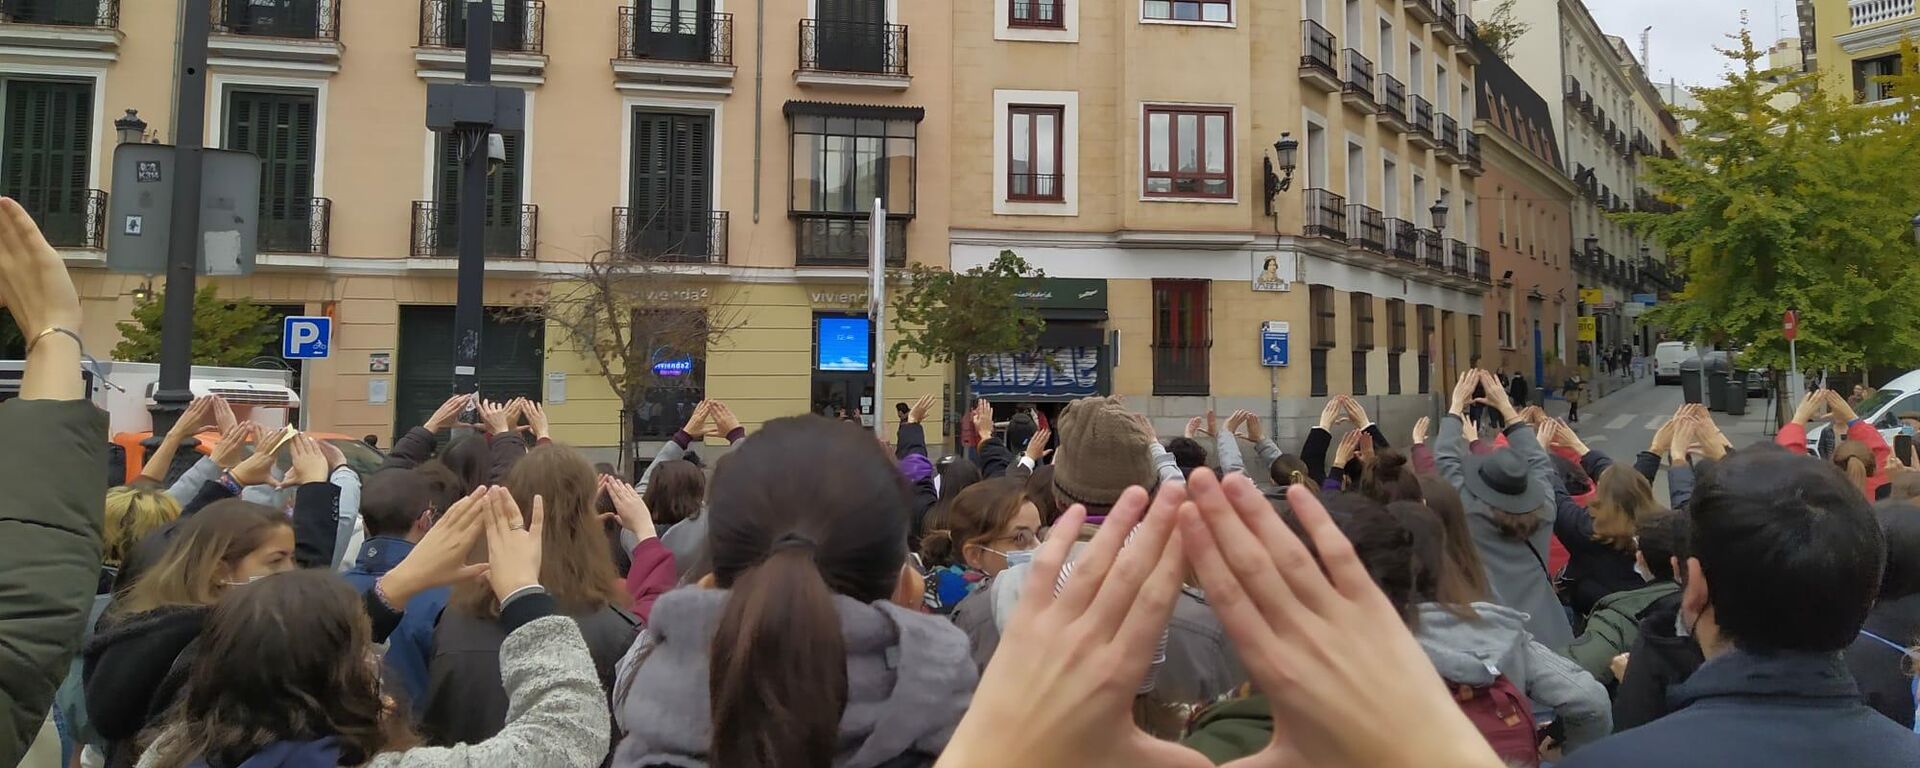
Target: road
(1622,424)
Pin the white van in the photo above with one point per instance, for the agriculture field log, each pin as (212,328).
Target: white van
(1666,360)
(1882,410)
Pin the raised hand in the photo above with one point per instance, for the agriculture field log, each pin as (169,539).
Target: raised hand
(1548,434)
(629,507)
(335,458)
(1331,414)
(1565,435)
(448,413)
(1037,447)
(497,417)
(1683,436)
(1420,431)
(193,419)
(1211,423)
(1810,406)
(440,559)
(1463,392)
(1349,445)
(1496,397)
(309,463)
(1356,412)
(513,549)
(1348,683)
(34,285)
(1469,431)
(256,469)
(983,420)
(1843,412)
(1365,445)
(233,445)
(1249,427)
(536,416)
(921,407)
(1193,428)
(724,422)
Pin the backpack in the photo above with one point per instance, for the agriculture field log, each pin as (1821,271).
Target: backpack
(1504,716)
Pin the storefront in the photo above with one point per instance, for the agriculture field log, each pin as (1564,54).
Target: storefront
(841,358)
(1072,357)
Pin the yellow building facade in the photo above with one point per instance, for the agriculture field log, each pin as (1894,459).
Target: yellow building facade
(1850,42)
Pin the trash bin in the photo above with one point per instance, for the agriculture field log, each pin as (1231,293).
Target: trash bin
(1737,393)
(1718,373)
(1690,380)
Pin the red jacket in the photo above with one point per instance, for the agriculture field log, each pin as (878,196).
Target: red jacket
(1793,437)
(651,576)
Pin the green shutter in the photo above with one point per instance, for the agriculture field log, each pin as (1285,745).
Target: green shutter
(503,198)
(280,128)
(672,174)
(45,154)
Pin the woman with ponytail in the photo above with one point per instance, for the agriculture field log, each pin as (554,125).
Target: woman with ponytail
(1861,456)
(796,657)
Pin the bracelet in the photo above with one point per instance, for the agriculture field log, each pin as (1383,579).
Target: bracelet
(51,330)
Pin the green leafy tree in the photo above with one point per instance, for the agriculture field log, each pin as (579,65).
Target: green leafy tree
(1500,29)
(959,318)
(224,332)
(1803,204)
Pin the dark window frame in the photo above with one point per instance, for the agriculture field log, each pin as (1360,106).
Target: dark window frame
(1425,313)
(1317,372)
(1363,329)
(1030,20)
(1322,316)
(1173,11)
(1359,372)
(1173,176)
(1182,337)
(886,129)
(1032,112)
(1396,325)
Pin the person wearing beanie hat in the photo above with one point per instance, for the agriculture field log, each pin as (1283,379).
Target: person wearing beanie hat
(1103,451)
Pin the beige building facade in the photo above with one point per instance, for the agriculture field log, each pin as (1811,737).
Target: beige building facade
(1126,146)
(742,152)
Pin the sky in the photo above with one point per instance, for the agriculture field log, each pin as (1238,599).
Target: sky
(1686,31)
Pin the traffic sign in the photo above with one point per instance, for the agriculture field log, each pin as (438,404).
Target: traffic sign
(1273,343)
(1790,325)
(1592,295)
(306,338)
(1588,329)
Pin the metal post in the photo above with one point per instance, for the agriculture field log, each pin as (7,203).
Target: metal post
(877,307)
(469,287)
(1793,379)
(173,393)
(306,403)
(1273,399)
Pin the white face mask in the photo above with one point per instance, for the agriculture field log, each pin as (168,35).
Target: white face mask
(250,580)
(1641,568)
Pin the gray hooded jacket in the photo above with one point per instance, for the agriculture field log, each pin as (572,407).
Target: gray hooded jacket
(1516,569)
(1475,652)
(909,680)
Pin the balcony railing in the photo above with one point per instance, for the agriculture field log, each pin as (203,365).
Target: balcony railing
(1393,98)
(1470,147)
(1459,258)
(1433,252)
(68,218)
(1367,229)
(1865,12)
(1403,240)
(296,19)
(104,14)
(1482,267)
(842,240)
(512,232)
(1036,187)
(1326,215)
(300,225)
(670,236)
(1317,48)
(1422,115)
(519,26)
(1447,27)
(844,46)
(1359,80)
(1448,132)
(663,33)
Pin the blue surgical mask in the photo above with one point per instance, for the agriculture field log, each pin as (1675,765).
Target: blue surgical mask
(1019,557)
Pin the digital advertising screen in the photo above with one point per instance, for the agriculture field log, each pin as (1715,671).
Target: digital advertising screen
(844,344)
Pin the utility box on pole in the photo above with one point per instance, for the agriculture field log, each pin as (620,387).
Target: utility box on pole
(140,213)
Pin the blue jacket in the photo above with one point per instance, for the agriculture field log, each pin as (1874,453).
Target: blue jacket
(1761,711)
(411,644)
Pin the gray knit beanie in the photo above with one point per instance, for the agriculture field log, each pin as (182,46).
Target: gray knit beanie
(1102,452)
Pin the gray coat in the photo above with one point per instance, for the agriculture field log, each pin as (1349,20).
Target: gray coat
(1515,569)
(1474,652)
(557,717)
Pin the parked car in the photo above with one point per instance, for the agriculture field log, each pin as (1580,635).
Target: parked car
(1882,410)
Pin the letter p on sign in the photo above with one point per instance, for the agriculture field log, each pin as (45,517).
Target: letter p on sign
(306,338)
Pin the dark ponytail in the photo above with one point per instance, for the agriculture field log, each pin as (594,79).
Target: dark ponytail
(807,510)
(1389,479)
(778,674)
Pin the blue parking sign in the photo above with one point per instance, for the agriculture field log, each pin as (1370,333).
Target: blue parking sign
(1273,343)
(306,338)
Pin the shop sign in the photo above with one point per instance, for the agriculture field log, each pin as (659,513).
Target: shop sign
(678,295)
(1056,372)
(1589,329)
(839,297)
(1062,293)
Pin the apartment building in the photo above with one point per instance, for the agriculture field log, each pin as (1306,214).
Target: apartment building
(1215,169)
(1608,118)
(1851,42)
(1526,205)
(741,151)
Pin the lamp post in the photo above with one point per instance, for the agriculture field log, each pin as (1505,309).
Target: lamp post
(1439,214)
(173,393)
(130,128)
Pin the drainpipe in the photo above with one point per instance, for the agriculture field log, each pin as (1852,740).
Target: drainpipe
(759,91)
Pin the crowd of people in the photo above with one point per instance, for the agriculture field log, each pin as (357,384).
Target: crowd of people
(1061,593)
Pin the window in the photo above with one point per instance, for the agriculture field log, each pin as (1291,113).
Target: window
(1362,306)
(1866,74)
(677,381)
(1181,337)
(1440,90)
(1320,299)
(45,155)
(1415,71)
(1396,342)
(279,127)
(1218,11)
(1503,327)
(504,236)
(1034,152)
(1473,338)
(842,162)
(1319,170)
(1044,14)
(671,186)
(1386,49)
(1390,189)
(1356,174)
(1356,34)
(1425,360)
(1189,152)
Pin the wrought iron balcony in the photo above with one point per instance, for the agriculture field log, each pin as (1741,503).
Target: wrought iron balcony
(1433,252)
(842,240)
(1470,152)
(296,19)
(1422,135)
(68,218)
(519,26)
(1359,87)
(512,231)
(1448,132)
(1482,267)
(1421,10)
(1319,63)
(1036,187)
(101,14)
(1367,229)
(1393,104)
(1459,258)
(670,236)
(663,33)
(1326,215)
(1403,241)
(296,225)
(856,47)
(1446,28)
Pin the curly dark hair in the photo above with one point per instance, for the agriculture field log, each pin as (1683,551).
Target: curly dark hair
(289,657)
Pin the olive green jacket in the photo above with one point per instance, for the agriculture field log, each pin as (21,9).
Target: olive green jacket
(1612,628)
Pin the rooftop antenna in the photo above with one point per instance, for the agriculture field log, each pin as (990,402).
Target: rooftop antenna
(1646,50)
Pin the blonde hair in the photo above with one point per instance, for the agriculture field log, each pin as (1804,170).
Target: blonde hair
(1620,497)
(132,514)
(1856,460)
(188,572)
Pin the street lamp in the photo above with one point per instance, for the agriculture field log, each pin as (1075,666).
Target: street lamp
(131,129)
(1593,243)
(1276,183)
(1439,214)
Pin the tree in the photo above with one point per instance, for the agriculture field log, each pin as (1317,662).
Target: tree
(1500,29)
(642,318)
(1801,205)
(227,333)
(959,318)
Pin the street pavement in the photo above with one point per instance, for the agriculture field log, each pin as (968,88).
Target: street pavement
(1623,423)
